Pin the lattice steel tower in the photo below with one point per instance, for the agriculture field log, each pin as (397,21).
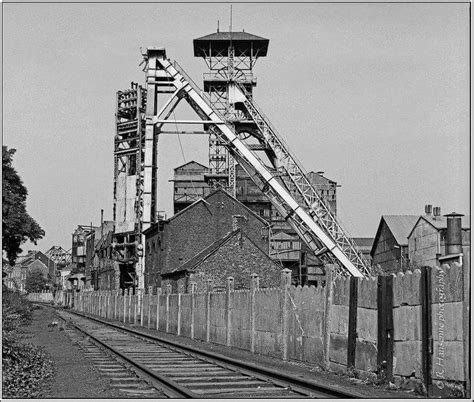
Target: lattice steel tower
(230,57)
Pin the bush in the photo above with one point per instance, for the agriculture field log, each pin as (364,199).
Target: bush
(24,366)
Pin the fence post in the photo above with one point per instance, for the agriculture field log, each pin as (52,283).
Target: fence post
(330,268)
(193,306)
(158,294)
(254,285)
(150,294)
(285,284)
(168,292)
(116,295)
(136,298)
(124,305)
(426,329)
(352,325)
(228,307)
(208,310)
(385,327)
(178,331)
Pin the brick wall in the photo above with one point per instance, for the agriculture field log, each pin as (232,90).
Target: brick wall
(239,257)
(194,229)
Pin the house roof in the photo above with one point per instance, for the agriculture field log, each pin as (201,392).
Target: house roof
(204,254)
(399,225)
(440,222)
(210,195)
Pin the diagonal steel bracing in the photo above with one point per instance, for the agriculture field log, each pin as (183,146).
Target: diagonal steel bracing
(285,184)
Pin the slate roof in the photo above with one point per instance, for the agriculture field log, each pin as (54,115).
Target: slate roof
(200,257)
(204,253)
(400,226)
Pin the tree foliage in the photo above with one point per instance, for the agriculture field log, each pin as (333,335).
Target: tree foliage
(35,281)
(17,225)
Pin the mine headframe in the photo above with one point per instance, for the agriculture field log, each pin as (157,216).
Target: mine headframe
(283,179)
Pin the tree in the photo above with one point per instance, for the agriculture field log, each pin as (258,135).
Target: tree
(35,281)
(17,225)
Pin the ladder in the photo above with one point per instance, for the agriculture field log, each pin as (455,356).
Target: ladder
(294,197)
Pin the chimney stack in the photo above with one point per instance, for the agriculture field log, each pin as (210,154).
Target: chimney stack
(453,233)
(238,221)
(428,208)
(436,212)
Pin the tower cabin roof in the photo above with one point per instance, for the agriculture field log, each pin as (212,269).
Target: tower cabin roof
(245,44)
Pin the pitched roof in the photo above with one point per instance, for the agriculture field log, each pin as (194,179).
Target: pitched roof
(399,225)
(203,254)
(210,195)
(440,222)
(191,163)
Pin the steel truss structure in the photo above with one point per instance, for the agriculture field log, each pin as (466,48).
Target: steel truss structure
(285,182)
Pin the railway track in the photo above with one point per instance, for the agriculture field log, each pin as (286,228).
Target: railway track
(141,365)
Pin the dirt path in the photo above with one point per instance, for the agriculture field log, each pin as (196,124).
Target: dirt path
(74,376)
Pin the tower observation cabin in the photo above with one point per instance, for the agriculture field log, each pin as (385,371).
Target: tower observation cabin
(230,58)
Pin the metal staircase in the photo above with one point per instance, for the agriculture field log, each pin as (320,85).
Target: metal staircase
(285,184)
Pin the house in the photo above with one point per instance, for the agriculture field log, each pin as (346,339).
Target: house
(105,270)
(234,255)
(428,239)
(390,247)
(170,243)
(32,261)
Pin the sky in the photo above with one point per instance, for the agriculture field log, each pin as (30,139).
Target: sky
(374,95)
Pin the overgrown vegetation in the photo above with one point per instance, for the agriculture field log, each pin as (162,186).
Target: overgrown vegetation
(24,366)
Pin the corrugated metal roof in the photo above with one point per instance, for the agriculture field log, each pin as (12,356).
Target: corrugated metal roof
(400,226)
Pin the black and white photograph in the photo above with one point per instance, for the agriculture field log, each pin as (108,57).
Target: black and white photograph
(236,200)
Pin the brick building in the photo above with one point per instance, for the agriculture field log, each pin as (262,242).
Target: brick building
(390,246)
(191,181)
(33,261)
(172,242)
(233,255)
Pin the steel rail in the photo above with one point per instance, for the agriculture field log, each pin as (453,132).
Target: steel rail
(169,387)
(300,385)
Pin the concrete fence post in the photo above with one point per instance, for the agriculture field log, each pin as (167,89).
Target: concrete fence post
(125,305)
(150,294)
(116,295)
(330,269)
(178,332)
(140,298)
(158,294)
(285,284)
(193,306)
(208,309)
(254,286)
(168,292)
(136,298)
(228,307)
